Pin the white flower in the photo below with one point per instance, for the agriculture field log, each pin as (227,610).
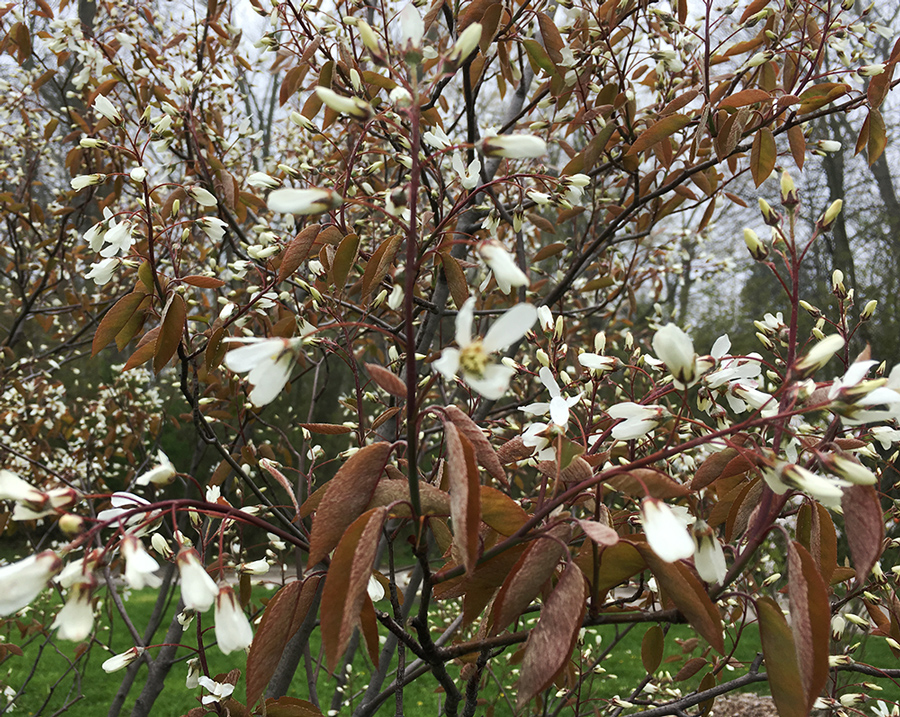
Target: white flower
(12,487)
(819,355)
(161,546)
(106,109)
(558,408)
(828,491)
(375,589)
(218,690)
(436,138)
(76,618)
(87,180)
(639,420)
(263,180)
(22,581)
(161,474)
(102,271)
(123,659)
(213,227)
(123,502)
(596,362)
(140,568)
(233,631)
(203,197)
(412,28)
(198,590)
(847,468)
(858,400)
(466,43)
(118,238)
(138,174)
(467,177)
(709,558)
(502,264)
(514,146)
(667,536)
(303,201)
(256,567)
(472,357)
(676,350)
(269,363)
(192,681)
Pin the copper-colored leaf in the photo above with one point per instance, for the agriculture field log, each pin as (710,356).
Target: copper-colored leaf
(864,525)
(553,41)
(877,139)
(346,582)
(456,279)
(170,332)
(388,380)
(432,499)
(762,155)
(465,497)
(289,707)
(600,533)
(379,264)
(815,531)
(528,576)
(689,596)
(781,660)
(281,619)
(658,484)
(345,498)
(298,250)
(659,131)
(820,95)
(723,464)
(550,643)
(810,620)
(203,282)
(144,352)
(500,511)
(745,97)
(326,429)
(797,142)
(484,451)
(282,480)
(344,257)
(652,648)
(115,319)
(753,8)
(690,668)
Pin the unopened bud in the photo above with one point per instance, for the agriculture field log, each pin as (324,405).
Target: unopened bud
(788,191)
(71,525)
(769,215)
(868,310)
(837,284)
(871,70)
(466,43)
(755,246)
(542,357)
(831,214)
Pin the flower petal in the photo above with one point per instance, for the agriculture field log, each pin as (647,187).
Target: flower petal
(510,327)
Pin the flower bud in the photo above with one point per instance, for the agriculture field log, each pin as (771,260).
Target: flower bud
(837,284)
(868,310)
(105,108)
(789,196)
(514,146)
(122,660)
(831,214)
(769,215)
(352,106)
(466,43)
(71,525)
(755,246)
(871,70)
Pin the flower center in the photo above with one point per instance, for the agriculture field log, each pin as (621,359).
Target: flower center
(473,360)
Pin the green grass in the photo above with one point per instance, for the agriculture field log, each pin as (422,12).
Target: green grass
(57,668)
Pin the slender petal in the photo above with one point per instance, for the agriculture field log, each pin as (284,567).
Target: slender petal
(510,327)
(666,534)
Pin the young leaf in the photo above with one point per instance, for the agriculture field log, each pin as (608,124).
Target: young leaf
(762,155)
(345,498)
(501,512)
(781,660)
(465,502)
(484,452)
(346,582)
(659,131)
(170,332)
(282,618)
(115,319)
(864,524)
(810,620)
(652,648)
(388,380)
(298,250)
(550,643)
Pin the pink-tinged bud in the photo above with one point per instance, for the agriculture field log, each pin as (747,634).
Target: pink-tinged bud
(789,196)
(122,660)
(514,146)
(22,582)
(831,214)
(198,590)
(666,535)
(757,249)
(76,619)
(233,631)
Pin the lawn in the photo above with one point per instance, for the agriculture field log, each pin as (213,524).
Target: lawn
(57,671)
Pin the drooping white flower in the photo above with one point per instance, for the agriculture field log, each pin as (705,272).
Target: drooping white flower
(596,362)
(117,239)
(12,487)
(123,502)
(466,43)
(782,477)
(198,590)
(639,420)
(676,350)
(87,180)
(502,264)
(473,357)
(213,227)
(22,581)
(162,474)
(140,567)
(412,29)
(436,138)
(122,660)
(233,631)
(558,407)
(709,558)
(514,146)
(352,106)
(105,108)
(847,468)
(269,363)
(76,619)
(192,681)
(303,201)
(375,589)
(468,177)
(256,567)
(667,536)
(218,691)
(102,271)
(819,355)
(202,196)
(263,180)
